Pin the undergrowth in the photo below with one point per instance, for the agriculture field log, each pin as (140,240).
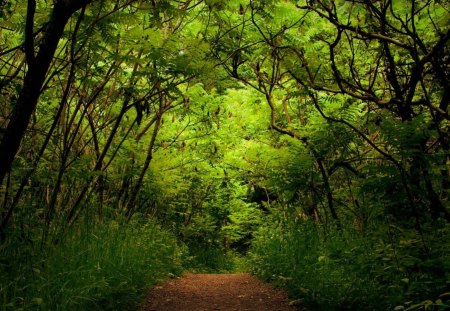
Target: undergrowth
(203,259)
(383,268)
(106,267)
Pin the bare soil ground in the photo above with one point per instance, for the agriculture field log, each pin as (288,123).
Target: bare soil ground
(226,292)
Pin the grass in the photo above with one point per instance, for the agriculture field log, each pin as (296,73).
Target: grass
(108,267)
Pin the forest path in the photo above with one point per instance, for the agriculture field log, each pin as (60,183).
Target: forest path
(207,292)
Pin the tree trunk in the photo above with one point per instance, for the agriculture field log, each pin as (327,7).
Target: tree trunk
(148,159)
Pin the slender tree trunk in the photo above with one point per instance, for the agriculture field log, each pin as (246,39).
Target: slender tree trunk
(419,173)
(99,163)
(8,213)
(328,191)
(148,159)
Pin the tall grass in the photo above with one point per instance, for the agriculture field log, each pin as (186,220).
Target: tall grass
(106,267)
(380,269)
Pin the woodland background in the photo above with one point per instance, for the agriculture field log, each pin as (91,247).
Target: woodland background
(304,141)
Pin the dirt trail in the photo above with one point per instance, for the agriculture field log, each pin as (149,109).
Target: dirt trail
(226,292)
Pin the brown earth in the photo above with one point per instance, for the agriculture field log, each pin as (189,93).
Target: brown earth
(226,292)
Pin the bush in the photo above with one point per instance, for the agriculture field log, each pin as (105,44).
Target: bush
(213,259)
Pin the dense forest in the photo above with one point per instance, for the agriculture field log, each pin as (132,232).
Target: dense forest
(306,142)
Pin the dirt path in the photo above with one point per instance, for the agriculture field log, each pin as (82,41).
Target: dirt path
(226,292)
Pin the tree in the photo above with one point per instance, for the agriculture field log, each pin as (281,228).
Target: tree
(345,57)
(116,62)
(38,64)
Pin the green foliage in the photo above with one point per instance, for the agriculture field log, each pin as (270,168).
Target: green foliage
(106,267)
(213,259)
(349,270)
(313,133)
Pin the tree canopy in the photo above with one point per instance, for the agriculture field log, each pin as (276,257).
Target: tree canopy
(230,123)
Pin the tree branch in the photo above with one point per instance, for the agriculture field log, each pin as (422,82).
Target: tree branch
(29,37)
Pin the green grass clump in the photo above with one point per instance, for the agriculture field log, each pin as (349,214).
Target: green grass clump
(108,267)
(203,259)
(380,269)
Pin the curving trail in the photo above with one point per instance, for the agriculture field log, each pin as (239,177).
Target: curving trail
(226,292)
